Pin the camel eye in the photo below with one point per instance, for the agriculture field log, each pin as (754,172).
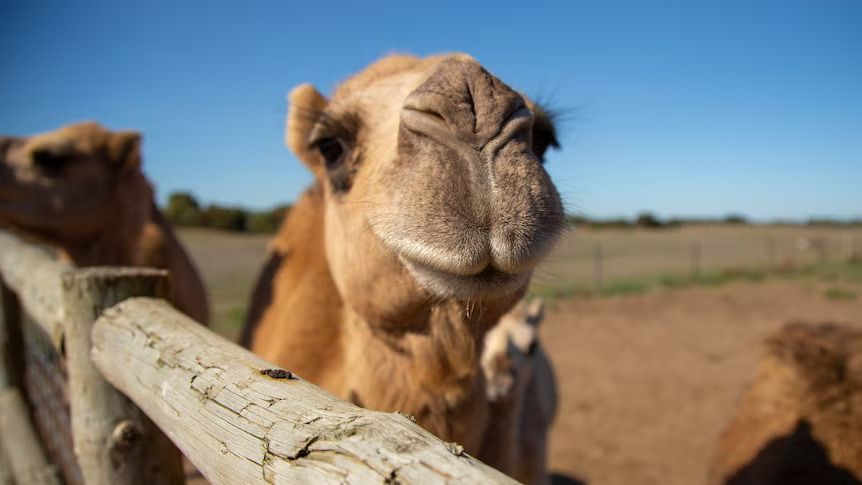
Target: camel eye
(50,161)
(331,150)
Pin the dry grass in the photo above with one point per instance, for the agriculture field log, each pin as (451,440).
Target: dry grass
(229,264)
(634,260)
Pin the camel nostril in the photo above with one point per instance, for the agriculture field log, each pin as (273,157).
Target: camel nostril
(432,106)
(419,119)
(434,125)
(473,103)
(435,115)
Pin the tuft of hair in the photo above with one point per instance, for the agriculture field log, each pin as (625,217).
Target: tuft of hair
(544,129)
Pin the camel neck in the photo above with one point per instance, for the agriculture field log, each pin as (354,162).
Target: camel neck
(431,373)
(118,243)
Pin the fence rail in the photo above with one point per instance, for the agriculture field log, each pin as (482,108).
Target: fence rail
(138,368)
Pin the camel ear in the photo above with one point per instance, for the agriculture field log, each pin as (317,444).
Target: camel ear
(124,150)
(536,311)
(305,106)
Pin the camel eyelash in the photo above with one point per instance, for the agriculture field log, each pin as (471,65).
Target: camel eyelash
(544,130)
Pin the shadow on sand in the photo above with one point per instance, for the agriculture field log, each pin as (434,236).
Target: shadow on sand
(560,479)
(795,459)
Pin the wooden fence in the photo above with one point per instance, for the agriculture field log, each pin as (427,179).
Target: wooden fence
(145,382)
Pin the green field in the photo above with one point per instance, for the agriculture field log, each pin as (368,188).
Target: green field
(632,261)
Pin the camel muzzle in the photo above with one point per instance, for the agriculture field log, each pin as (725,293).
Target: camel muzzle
(476,211)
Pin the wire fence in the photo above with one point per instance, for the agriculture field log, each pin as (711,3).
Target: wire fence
(45,383)
(593,261)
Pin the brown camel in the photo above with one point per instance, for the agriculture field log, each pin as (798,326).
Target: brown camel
(801,420)
(80,189)
(429,211)
(522,389)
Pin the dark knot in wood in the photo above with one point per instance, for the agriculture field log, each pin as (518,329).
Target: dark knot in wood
(277,373)
(126,436)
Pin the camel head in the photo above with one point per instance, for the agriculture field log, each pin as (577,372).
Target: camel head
(433,184)
(62,184)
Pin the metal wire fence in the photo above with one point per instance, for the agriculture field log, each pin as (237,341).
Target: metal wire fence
(45,383)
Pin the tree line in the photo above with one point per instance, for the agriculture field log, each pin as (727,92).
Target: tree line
(651,221)
(183,209)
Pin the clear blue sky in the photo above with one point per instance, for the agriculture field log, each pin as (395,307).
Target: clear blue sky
(679,107)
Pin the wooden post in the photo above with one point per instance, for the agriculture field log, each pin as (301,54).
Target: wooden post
(19,442)
(695,260)
(6,477)
(11,342)
(34,275)
(598,269)
(241,420)
(770,252)
(115,443)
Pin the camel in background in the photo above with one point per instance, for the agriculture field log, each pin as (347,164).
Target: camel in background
(801,420)
(521,386)
(430,209)
(81,190)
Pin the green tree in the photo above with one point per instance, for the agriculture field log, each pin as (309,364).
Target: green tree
(735,219)
(266,221)
(648,219)
(183,209)
(224,218)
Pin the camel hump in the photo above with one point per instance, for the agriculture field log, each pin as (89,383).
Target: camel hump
(801,419)
(824,354)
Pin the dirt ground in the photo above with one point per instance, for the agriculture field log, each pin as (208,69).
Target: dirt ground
(647,382)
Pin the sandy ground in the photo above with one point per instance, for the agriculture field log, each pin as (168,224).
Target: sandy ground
(647,382)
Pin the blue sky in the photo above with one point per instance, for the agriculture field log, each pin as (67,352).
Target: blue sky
(679,107)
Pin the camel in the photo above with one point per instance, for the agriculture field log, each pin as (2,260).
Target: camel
(800,422)
(80,189)
(429,210)
(522,389)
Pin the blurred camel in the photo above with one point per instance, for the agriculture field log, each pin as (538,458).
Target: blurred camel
(521,386)
(801,420)
(81,190)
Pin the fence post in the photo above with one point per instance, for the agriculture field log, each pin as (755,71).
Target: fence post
(598,269)
(11,341)
(770,252)
(695,259)
(115,443)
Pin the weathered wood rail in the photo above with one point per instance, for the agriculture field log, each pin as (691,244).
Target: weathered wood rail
(139,368)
